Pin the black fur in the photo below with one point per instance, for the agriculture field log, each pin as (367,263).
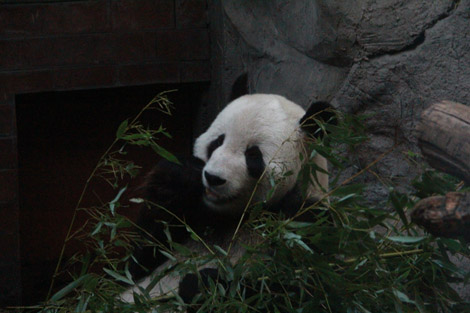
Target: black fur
(193,284)
(239,87)
(214,145)
(319,110)
(189,286)
(254,162)
(179,189)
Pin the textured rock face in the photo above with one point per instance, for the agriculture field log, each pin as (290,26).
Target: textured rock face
(398,86)
(388,58)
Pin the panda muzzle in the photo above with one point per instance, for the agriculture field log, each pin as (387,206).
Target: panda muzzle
(214,197)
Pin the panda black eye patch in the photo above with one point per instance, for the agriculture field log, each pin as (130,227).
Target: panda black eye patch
(214,145)
(254,161)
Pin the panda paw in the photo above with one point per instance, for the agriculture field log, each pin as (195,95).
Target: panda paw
(171,183)
(191,285)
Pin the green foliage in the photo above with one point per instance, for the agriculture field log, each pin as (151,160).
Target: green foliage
(351,257)
(434,183)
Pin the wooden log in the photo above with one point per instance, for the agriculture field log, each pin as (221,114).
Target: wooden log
(444,138)
(447,216)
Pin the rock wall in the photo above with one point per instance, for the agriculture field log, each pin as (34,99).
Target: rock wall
(390,59)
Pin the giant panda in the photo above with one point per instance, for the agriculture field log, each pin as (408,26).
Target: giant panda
(255,140)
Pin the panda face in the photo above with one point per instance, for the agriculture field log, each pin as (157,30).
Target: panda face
(255,138)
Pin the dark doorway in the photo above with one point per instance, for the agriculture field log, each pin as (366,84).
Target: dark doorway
(61,136)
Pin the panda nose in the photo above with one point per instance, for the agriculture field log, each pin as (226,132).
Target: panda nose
(213,180)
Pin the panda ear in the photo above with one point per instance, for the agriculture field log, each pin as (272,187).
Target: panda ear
(319,110)
(239,87)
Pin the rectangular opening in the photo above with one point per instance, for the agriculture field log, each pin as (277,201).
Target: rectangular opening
(61,136)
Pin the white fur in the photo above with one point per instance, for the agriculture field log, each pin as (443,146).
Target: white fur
(270,122)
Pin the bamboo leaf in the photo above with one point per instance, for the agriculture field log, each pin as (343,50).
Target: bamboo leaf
(114,202)
(165,153)
(406,239)
(169,256)
(70,287)
(218,248)
(402,297)
(118,276)
(122,129)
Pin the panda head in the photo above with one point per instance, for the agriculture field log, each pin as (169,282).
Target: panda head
(255,140)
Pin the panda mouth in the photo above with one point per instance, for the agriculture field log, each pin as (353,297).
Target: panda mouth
(212,196)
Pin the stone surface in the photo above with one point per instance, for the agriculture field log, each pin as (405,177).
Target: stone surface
(390,59)
(395,88)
